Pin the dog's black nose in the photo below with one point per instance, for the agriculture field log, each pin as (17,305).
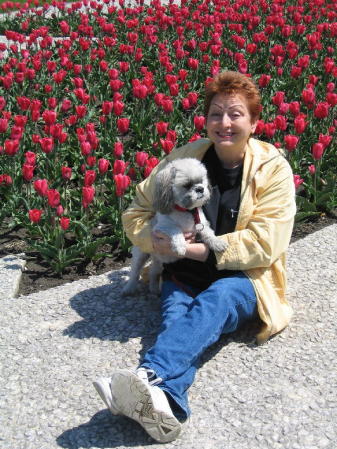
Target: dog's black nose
(199,189)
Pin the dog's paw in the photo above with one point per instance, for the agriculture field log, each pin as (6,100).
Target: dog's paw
(129,289)
(154,289)
(218,245)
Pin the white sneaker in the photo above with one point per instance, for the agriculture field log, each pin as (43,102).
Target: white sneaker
(103,388)
(148,405)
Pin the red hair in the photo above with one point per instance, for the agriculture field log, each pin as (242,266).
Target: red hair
(231,83)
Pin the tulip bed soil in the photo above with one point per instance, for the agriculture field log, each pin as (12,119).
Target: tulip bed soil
(38,276)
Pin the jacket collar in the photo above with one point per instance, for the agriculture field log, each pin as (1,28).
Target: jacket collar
(257,154)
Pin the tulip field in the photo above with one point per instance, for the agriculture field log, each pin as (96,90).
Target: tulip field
(94,94)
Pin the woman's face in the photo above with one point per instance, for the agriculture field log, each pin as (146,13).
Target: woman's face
(229,123)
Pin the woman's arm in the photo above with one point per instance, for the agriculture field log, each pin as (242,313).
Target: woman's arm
(196,251)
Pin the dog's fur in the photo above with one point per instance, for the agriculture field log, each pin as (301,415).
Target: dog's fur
(181,183)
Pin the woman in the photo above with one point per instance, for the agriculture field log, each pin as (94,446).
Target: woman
(207,294)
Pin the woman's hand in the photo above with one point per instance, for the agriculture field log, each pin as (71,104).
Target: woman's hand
(162,243)
(196,251)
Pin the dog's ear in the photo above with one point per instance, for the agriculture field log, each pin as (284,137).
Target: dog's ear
(163,192)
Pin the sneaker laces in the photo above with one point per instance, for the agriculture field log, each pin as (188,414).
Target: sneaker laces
(149,376)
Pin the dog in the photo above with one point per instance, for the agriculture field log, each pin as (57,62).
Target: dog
(181,189)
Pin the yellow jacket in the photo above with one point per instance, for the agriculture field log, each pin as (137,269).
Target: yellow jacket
(263,229)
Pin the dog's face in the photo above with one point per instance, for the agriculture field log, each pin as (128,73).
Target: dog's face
(190,184)
(182,182)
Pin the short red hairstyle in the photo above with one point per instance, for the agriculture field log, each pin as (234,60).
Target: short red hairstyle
(230,83)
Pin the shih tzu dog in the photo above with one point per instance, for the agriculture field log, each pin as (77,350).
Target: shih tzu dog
(181,189)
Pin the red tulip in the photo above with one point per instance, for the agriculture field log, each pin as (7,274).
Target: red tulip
(123,125)
(23,103)
(291,142)
(118,107)
(331,98)
(308,96)
(322,110)
(141,158)
(330,87)
(119,167)
(66,105)
(193,63)
(195,136)
(140,91)
(162,128)
(35,215)
(11,147)
(30,157)
(59,210)
(91,161)
(118,149)
(124,66)
(54,197)
(317,150)
(3,125)
(264,80)
(167,105)
(89,177)
(283,108)
(85,148)
(300,123)
(192,98)
(27,172)
(280,122)
(107,107)
(103,165)
(185,102)
(259,127)
(81,110)
(171,135)
(199,122)
(116,84)
(122,182)
(303,61)
(167,145)
(312,169)
(88,194)
(296,71)
(41,186)
(150,164)
(294,108)
(64,223)
(278,98)
(52,102)
(5,180)
(325,139)
(269,129)
(298,181)
(47,144)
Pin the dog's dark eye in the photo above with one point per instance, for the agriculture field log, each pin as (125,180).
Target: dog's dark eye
(188,185)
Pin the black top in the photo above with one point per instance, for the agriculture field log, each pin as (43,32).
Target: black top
(221,211)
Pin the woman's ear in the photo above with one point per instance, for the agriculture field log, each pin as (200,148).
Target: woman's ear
(163,191)
(253,127)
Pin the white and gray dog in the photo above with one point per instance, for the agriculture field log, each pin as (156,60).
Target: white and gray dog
(181,189)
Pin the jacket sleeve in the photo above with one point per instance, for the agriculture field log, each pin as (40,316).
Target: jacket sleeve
(137,217)
(269,225)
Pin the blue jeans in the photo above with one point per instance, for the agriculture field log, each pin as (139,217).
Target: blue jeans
(190,325)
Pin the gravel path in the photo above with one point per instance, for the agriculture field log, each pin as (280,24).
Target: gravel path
(278,395)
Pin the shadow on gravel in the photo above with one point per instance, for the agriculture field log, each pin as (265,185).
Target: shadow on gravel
(105,431)
(109,316)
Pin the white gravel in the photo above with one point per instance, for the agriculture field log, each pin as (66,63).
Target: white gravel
(281,395)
